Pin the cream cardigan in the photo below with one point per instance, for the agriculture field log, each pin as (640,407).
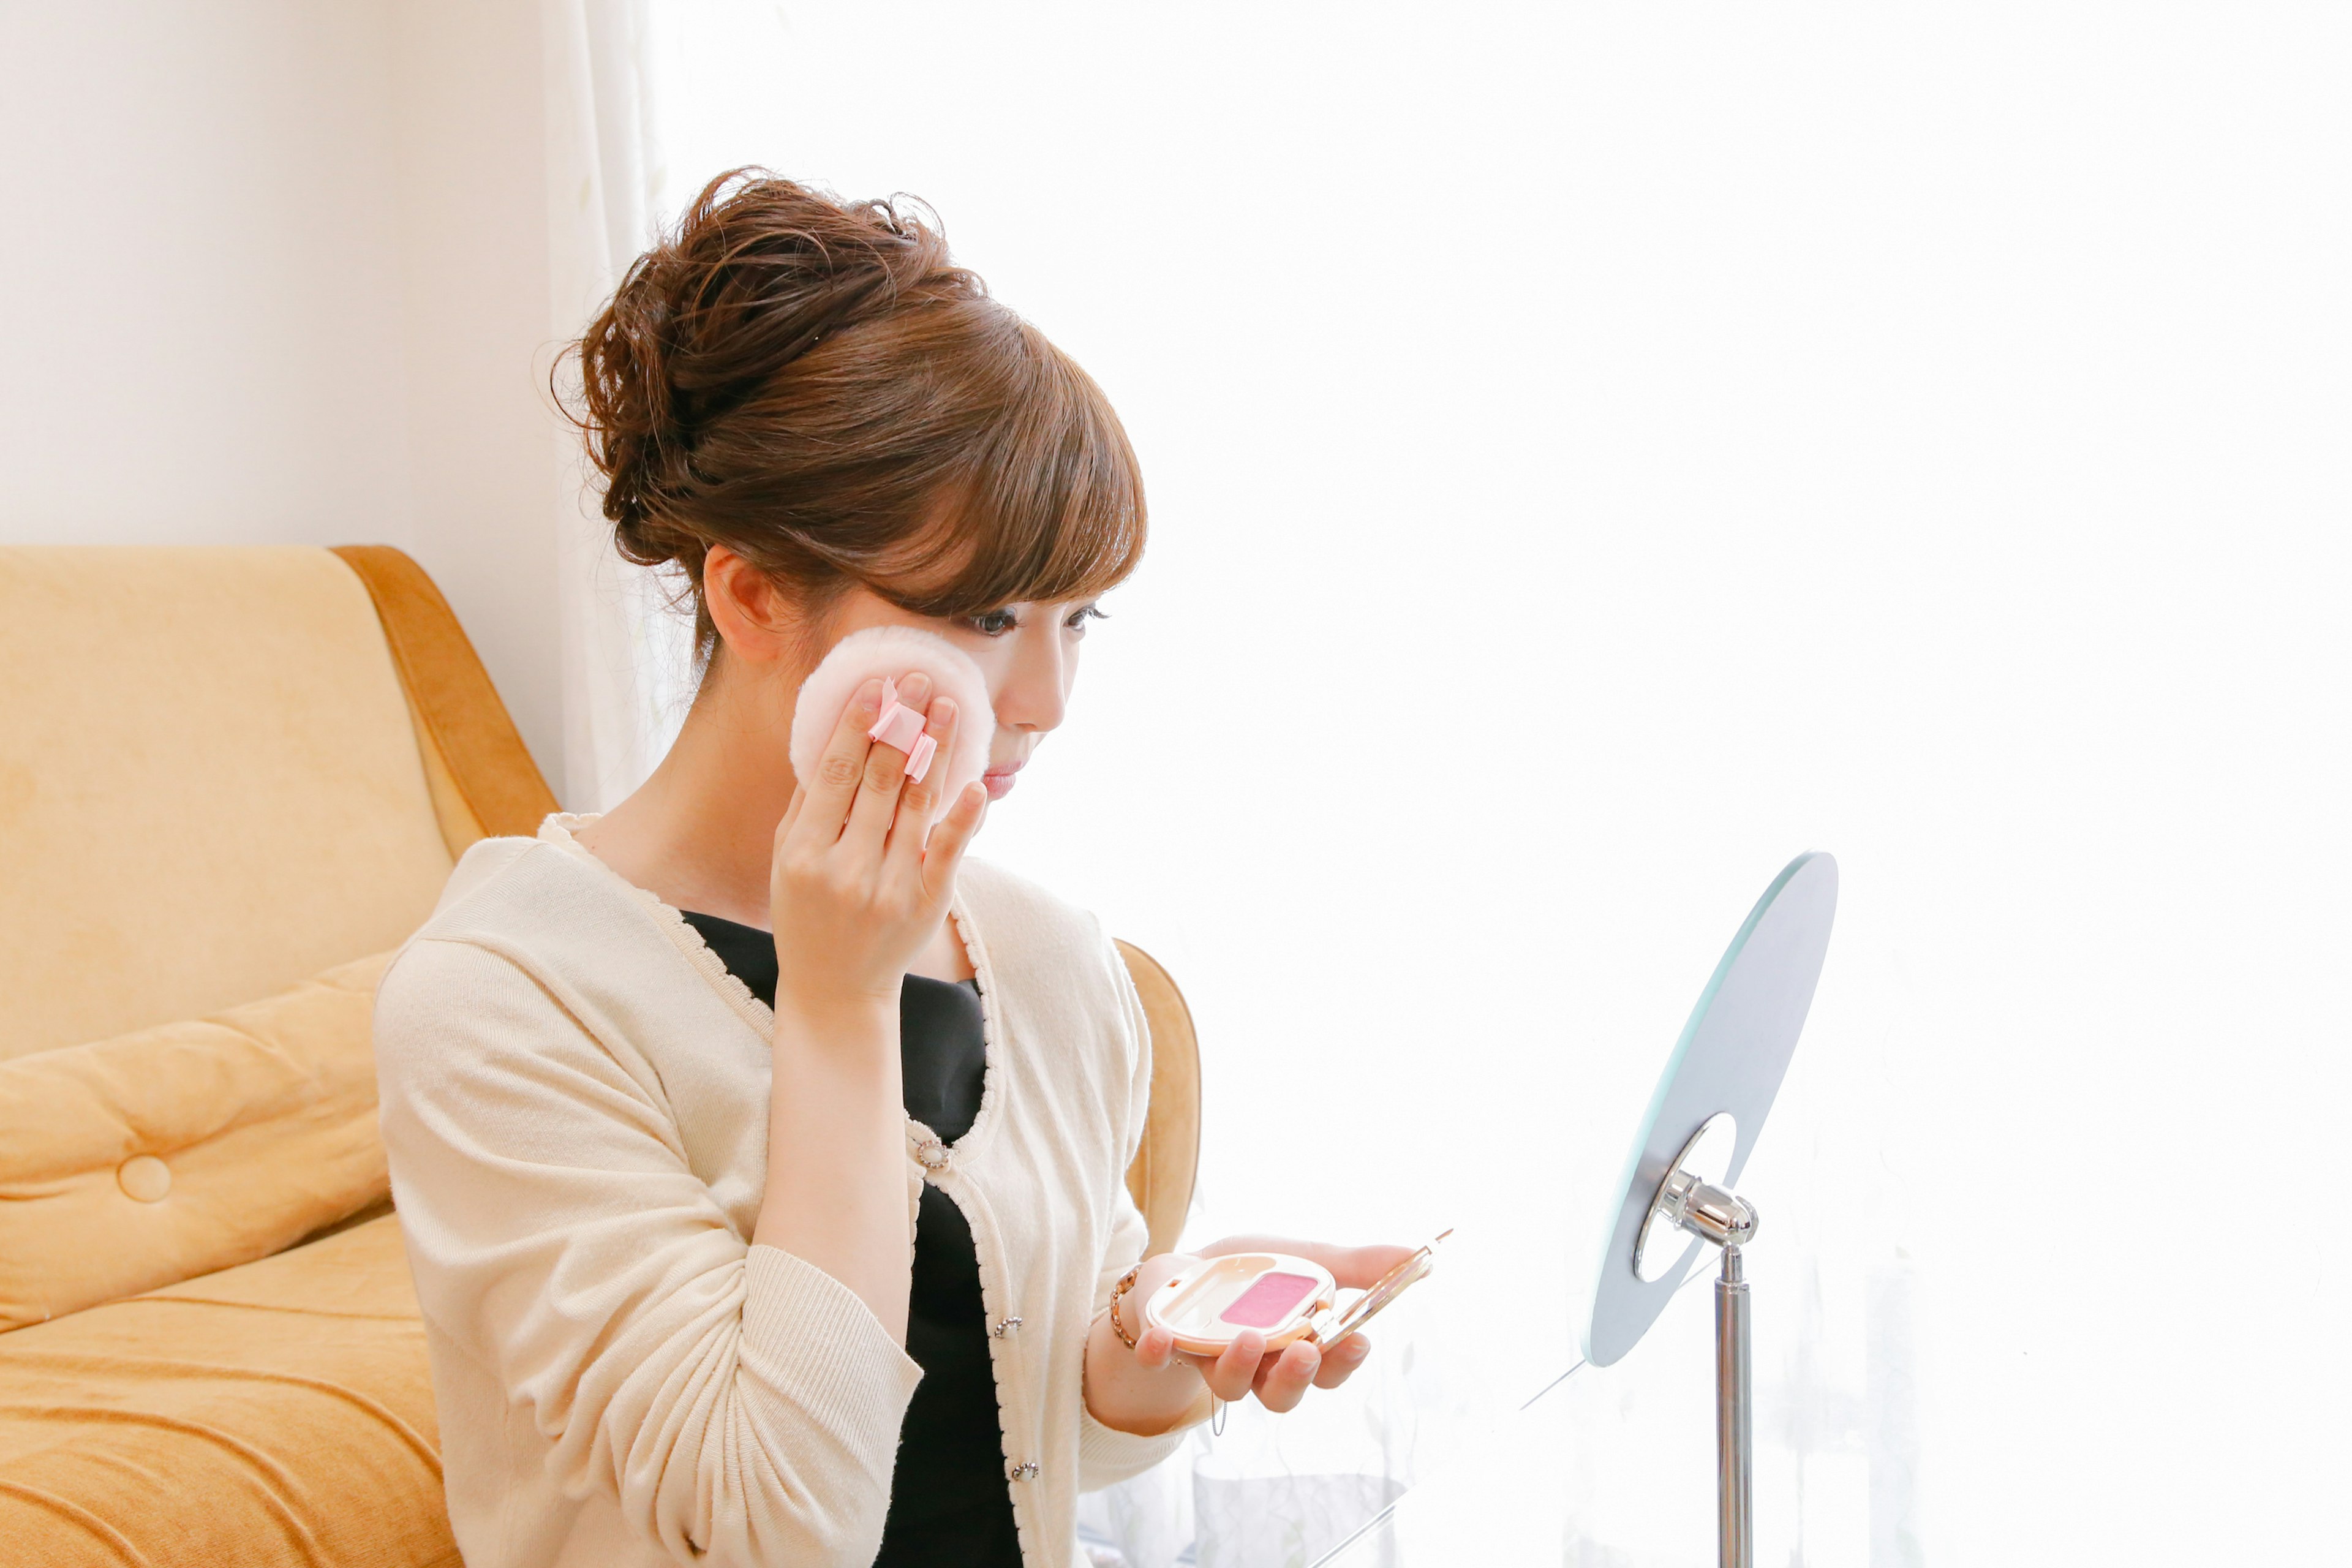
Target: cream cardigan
(575,1101)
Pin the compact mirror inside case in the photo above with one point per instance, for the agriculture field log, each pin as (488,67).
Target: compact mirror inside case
(1285,1298)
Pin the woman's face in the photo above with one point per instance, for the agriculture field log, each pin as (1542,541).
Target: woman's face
(1028,654)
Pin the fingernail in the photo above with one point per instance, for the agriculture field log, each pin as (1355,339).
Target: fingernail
(870,694)
(943,712)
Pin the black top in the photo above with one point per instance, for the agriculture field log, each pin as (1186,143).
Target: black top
(950,1503)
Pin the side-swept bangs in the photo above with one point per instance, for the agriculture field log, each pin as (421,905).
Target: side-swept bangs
(1040,499)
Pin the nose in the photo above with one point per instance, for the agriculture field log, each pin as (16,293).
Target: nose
(1036,690)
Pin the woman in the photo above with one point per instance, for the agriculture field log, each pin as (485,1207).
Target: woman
(760,1160)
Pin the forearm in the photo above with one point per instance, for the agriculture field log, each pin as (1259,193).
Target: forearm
(836,1187)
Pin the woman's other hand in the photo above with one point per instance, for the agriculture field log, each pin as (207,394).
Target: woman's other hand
(1155,1385)
(860,879)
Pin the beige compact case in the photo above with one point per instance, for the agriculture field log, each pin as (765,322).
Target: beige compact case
(1287,1298)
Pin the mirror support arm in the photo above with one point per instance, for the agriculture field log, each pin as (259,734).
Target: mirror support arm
(1708,1212)
(1734,1430)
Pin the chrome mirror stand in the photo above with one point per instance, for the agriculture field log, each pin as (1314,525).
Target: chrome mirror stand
(1734,1473)
(1692,1148)
(1688,1203)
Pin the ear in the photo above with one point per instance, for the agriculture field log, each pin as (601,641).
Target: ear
(755,618)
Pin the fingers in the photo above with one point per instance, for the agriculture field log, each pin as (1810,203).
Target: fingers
(792,812)
(1155,1347)
(1283,1380)
(1233,1374)
(1341,1360)
(1363,1266)
(1280,1381)
(828,796)
(950,839)
(875,800)
(919,799)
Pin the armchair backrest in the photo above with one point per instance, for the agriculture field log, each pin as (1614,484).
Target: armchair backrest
(210,789)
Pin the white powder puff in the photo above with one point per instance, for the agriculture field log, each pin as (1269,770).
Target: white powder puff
(896,652)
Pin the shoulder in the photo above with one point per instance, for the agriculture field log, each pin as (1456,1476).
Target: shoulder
(541,901)
(1023,925)
(1059,969)
(481,949)
(524,915)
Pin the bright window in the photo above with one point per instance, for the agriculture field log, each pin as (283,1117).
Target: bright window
(1595,456)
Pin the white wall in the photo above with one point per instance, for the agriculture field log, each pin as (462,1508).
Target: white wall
(470,133)
(276,272)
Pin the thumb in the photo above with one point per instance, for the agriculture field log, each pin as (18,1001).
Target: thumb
(943,851)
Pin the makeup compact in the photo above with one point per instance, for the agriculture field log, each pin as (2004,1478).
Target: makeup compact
(1287,1298)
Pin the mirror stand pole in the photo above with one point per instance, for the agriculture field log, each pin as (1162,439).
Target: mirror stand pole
(1733,1426)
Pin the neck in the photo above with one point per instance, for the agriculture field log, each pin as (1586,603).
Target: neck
(699,833)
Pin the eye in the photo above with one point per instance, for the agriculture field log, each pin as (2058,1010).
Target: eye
(1082,614)
(993,623)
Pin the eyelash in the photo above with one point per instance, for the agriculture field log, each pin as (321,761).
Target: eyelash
(997,623)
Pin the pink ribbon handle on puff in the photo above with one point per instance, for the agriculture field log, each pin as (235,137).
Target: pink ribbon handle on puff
(902,727)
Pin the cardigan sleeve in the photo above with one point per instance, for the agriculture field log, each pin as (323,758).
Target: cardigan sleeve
(743,1405)
(1106,1455)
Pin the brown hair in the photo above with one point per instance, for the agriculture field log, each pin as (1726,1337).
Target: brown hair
(812,384)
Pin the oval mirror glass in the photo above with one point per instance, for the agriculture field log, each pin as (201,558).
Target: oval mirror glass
(1730,1061)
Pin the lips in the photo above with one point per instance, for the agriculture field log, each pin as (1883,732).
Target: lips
(999,780)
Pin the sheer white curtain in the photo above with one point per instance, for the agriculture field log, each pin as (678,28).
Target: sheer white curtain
(1594,456)
(626,655)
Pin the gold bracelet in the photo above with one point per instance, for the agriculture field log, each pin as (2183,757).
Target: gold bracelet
(1126,1283)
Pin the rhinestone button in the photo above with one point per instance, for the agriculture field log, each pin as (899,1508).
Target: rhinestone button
(145,1178)
(932,1155)
(1026,1471)
(1005,1326)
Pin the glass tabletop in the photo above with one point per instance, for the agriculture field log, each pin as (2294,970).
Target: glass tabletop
(1430,1460)
(1584,1473)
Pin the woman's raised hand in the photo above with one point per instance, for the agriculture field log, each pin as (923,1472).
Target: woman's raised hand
(855,888)
(860,879)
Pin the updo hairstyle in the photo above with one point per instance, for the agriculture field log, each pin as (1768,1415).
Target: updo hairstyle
(815,385)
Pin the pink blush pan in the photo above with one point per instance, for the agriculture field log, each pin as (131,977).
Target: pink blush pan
(1268,1301)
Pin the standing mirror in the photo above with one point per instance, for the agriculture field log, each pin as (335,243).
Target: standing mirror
(1677,1197)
